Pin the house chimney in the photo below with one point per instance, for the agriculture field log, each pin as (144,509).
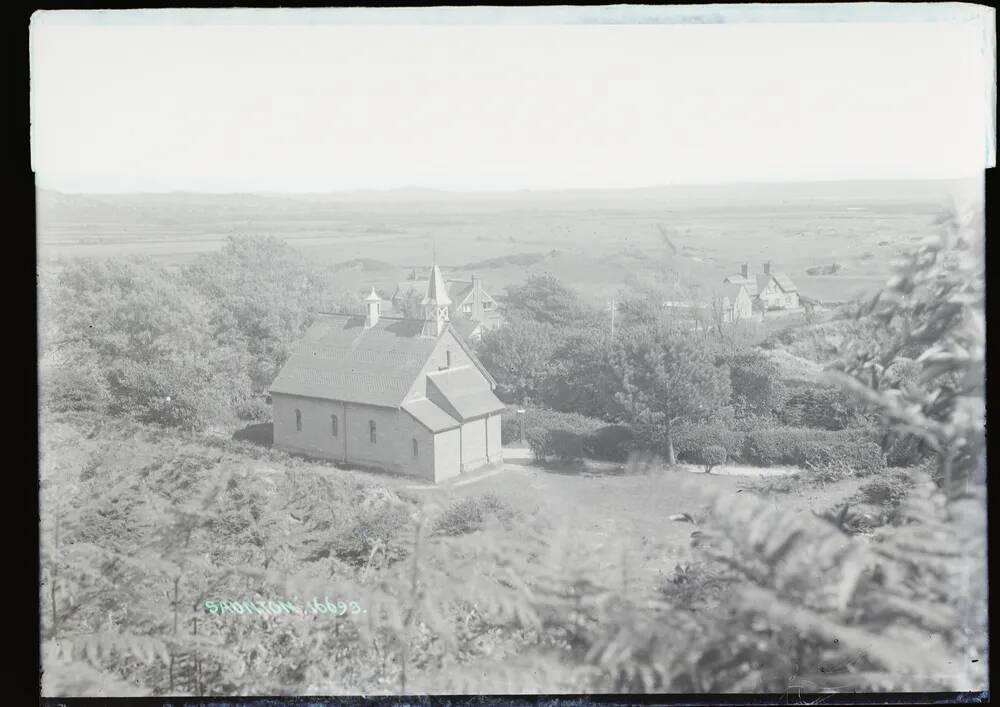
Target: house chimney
(374,304)
(745,270)
(767,267)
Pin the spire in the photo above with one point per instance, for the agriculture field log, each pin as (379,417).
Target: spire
(435,302)
(437,293)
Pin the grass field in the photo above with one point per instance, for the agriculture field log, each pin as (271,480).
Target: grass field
(600,242)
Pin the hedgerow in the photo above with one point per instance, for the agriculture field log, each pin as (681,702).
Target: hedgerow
(813,449)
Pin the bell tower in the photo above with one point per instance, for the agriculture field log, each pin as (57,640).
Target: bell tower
(435,304)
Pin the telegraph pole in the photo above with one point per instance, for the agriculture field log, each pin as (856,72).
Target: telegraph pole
(612,317)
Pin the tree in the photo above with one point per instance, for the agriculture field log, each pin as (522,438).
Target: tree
(409,305)
(133,338)
(756,383)
(932,311)
(543,298)
(582,376)
(712,456)
(665,378)
(261,296)
(519,356)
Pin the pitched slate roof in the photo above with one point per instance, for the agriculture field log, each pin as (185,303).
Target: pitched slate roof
(340,359)
(464,326)
(460,289)
(430,415)
(457,290)
(785,282)
(748,282)
(463,389)
(730,290)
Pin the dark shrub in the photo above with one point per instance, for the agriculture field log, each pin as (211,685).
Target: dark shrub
(850,450)
(510,431)
(905,451)
(253,409)
(566,436)
(376,530)
(610,443)
(887,490)
(470,514)
(820,408)
(539,440)
(261,433)
(712,456)
(566,445)
(690,440)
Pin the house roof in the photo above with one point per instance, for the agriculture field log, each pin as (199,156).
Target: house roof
(750,283)
(756,283)
(457,290)
(462,387)
(730,290)
(430,415)
(460,289)
(340,359)
(785,282)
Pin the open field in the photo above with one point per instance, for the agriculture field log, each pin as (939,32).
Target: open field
(600,242)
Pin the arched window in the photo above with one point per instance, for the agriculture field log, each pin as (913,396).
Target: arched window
(333,425)
(371,431)
(414,446)
(298,420)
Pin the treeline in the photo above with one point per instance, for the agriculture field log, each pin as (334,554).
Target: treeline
(676,389)
(189,347)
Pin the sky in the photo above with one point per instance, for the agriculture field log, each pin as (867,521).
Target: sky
(271,106)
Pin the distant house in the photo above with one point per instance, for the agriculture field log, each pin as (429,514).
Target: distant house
(405,395)
(471,303)
(769,290)
(735,302)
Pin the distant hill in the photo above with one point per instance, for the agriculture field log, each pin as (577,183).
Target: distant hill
(187,205)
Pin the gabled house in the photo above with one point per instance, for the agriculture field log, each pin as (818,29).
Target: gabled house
(470,301)
(405,395)
(735,302)
(769,290)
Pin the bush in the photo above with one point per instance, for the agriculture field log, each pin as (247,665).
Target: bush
(713,455)
(569,437)
(888,491)
(851,450)
(510,430)
(611,443)
(820,408)
(691,440)
(376,529)
(254,409)
(905,451)
(470,514)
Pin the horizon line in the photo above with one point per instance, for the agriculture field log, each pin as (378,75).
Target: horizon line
(510,190)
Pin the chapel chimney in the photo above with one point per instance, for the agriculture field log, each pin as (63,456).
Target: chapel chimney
(767,267)
(374,306)
(745,270)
